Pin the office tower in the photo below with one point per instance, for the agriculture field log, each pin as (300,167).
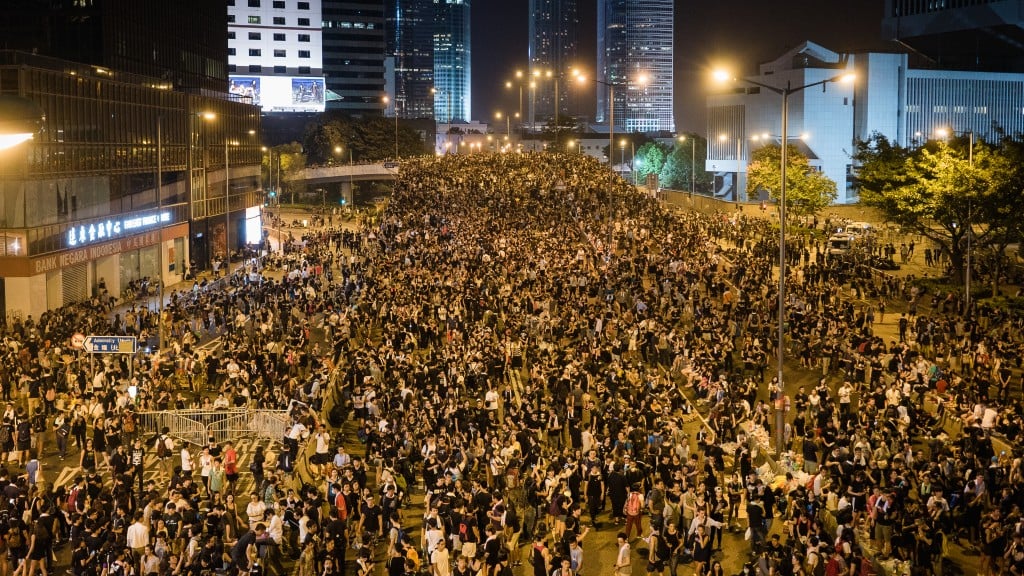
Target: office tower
(353,55)
(180,42)
(960,34)
(274,54)
(554,39)
(410,43)
(452,73)
(634,53)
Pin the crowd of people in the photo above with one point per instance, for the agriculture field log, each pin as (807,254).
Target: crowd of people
(529,342)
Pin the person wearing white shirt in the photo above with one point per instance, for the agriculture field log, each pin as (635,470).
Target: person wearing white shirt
(255,509)
(186,462)
(137,535)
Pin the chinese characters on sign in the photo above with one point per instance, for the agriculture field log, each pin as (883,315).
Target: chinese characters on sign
(82,235)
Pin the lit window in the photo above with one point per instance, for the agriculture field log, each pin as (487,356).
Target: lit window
(981,109)
(254,19)
(255,36)
(939,109)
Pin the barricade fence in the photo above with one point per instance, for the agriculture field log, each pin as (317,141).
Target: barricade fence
(198,426)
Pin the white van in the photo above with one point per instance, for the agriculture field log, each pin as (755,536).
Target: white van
(841,243)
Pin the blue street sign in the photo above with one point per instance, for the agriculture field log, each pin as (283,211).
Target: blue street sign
(111,344)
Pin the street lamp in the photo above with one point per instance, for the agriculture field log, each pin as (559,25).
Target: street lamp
(944,134)
(722,76)
(508,122)
(386,100)
(20,119)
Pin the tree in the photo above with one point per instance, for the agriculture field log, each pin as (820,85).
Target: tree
(807,190)
(941,190)
(649,159)
(684,166)
(293,161)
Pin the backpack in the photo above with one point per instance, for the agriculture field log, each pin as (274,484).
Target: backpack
(5,435)
(161,447)
(632,507)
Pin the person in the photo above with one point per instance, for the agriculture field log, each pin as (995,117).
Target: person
(240,553)
(40,548)
(622,557)
(540,555)
(440,560)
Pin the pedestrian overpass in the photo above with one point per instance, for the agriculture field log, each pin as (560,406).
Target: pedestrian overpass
(346,174)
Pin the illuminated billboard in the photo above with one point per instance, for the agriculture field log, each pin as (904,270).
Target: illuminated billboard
(281,93)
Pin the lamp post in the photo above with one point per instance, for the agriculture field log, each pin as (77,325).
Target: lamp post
(508,122)
(944,133)
(693,162)
(785,93)
(159,209)
(386,100)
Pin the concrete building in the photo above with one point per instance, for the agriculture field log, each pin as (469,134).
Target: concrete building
(274,54)
(634,53)
(905,104)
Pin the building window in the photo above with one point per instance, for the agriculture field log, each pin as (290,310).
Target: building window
(231,35)
(303,53)
(280,53)
(255,68)
(231,18)
(304,70)
(278,37)
(303,37)
(231,51)
(303,6)
(279,4)
(939,109)
(981,109)
(231,2)
(255,36)
(254,3)
(280,69)
(303,21)
(255,52)
(254,19)
(231,68)
(278,21)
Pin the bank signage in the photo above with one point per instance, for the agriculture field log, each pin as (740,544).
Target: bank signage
(86,234)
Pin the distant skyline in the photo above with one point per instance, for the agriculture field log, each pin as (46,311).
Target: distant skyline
(737,33)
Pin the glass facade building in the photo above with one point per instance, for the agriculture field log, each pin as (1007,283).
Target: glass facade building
(410,41)
(353,55)
(554,40)
(634,43)
(79,203)
(452,70)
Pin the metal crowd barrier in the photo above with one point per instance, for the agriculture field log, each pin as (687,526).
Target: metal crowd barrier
(198,426)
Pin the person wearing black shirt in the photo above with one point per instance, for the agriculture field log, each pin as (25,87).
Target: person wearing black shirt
(239,553)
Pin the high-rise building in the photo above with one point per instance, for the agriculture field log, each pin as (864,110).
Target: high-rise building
(180,42)
(554,39)
(452,72)
(274,54)
(634,53)
(410,44)
(353,55)
(960,34)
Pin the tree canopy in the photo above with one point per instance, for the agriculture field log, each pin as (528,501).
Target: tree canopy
(807,190)
(947,191)
(361,140)
(684,165)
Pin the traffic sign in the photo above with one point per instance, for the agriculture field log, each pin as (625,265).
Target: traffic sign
(77,340)
(111,344)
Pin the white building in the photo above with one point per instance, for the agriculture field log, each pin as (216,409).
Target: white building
(887,96)
(275,54)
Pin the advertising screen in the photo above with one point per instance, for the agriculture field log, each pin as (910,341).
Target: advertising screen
(282,93)
(253,225)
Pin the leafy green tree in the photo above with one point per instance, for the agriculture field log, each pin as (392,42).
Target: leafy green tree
(684,166)
(292,161)
(649,159)
(942,190)
(807,190)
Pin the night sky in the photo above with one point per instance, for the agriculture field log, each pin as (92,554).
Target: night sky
(709,33)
